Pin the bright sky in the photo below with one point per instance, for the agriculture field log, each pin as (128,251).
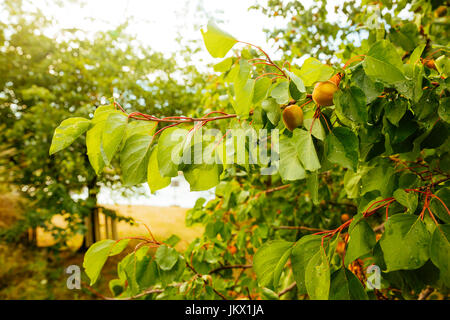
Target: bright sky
(157,24)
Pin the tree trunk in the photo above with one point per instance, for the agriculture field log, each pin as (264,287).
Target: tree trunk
(91,221)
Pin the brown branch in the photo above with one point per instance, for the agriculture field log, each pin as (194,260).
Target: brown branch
(95,292)
(379,228)
(287,289)
(205,281)
(277,188)
(237,266)
(425,293)
(267,56)
(144,293)
(298,228)
(185,119)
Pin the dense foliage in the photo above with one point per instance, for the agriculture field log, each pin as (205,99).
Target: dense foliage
(362,179)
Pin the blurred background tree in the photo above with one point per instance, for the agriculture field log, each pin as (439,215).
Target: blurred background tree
(44,80)
(327,29)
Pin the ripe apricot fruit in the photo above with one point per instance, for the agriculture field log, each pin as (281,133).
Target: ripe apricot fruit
(340,247)
(323,93)
(440,12)
(292,117)
(345,217)
(232,249)
(430,64)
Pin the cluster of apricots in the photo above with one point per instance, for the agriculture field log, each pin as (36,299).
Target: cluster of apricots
(322,95)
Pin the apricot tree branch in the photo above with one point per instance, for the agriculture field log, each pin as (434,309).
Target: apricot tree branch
(237,266)
(287,289)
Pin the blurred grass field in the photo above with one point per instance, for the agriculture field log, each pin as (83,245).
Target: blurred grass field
(39,272)
(162,221)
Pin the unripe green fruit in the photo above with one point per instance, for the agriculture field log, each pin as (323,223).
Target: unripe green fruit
(323,93)
(292,117)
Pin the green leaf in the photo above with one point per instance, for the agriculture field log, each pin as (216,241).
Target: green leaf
(244,96)
(224,65)
(312,183)
(261,89)
(296,80)
(170,145)
(378,178)
(269,294)
(290,167)
(294,93)
(134,159)
(437,207)
(217,42)
(436,137)
(346,286)
(342,148)
(352,184)
(166,257)
(94,146)
(154,179)
(405,242)
(384,63)
(371,89)
(102,113)
(440,251)
(202,176)
(317,130)
(409,200)
(417,53)
(351,103)
(313,70)
(118,247)
(407,36)
(361,240)
(395,110)
(267,258)
(306,150)
(272,110)
(95,258)
(138,270)
(426,107)
(67,132)
(94,136)
(444,109)
(412,89)
(113,133)
(280,91)
(280,266)
(317,276)
(116,286)
(302,253)
(140,127)
(173,240)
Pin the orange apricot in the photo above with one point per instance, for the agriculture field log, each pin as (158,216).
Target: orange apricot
(323,93)
(430,64)
(292,117)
